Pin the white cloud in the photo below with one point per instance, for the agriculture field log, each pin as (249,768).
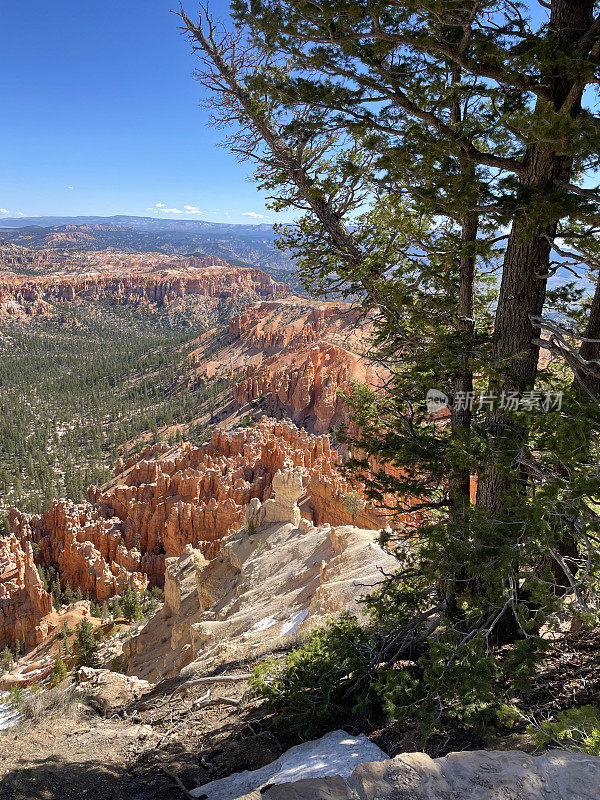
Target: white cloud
(69,187)
(193,209)
(162,207)
(3,210)
(254,214)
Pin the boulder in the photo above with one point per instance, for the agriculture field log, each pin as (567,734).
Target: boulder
(336,753)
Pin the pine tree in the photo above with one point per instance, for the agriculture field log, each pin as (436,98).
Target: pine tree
(65,632)
(87,646)
(56,594)
(68,595)
(59,671)
(130,602)
(6,659)
(116,608)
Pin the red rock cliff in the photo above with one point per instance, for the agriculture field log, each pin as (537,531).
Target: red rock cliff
(23,599)
(210,278)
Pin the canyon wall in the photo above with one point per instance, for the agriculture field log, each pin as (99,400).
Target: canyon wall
(211,278)
(293,357)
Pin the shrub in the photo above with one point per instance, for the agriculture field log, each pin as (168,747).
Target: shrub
(316,685)
(59,672)
(55,702)
(575,729)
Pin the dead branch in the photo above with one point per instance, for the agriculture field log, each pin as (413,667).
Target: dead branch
(177,780)
(244,676)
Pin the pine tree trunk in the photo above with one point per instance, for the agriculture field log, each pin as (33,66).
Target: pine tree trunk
(525,271)
(460,480)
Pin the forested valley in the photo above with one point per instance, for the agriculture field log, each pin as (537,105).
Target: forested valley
(75,392)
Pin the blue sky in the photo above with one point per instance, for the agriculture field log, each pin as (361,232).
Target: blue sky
(100,115)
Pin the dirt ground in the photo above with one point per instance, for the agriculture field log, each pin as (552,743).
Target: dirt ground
(117,750)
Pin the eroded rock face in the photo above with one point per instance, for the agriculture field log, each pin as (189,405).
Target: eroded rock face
(209,278)
(265,584)
(168,497)
(293,356)
(85,544)
(23,600)
(287,489)
(307,386)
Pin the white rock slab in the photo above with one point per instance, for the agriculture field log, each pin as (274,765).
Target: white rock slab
(337,753)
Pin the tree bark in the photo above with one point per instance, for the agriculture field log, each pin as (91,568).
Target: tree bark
(525,268)
(460,480)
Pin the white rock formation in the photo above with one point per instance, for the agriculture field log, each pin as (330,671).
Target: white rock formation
(283,506)
(281,579)
(338,753)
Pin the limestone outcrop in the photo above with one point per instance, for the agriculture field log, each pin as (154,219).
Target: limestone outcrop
(273,576)
(287,489)
(293,357)
(337,753)
(306,385)
(85,544)
(23,600)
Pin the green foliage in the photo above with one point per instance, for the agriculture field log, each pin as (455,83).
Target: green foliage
(158,593)
(15,696)
(93,379)
(86,645)
(6,659)
(65,632)
(332,675)
(115,606)
(317,684)
(353,503)
(575,729)
(131,605)
(59,672)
